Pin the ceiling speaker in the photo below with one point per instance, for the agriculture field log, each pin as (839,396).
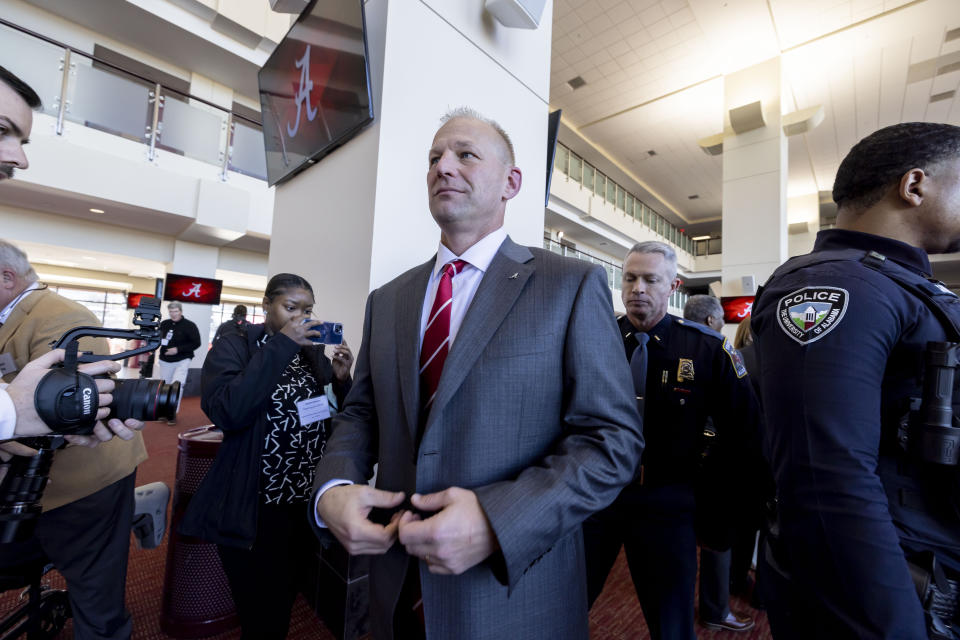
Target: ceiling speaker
(748,285)
(518,14)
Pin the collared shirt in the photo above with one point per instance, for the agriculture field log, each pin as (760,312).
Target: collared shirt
(465,284)
(8,414)
(7,310)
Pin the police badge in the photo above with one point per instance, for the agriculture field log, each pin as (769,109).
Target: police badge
(808,314)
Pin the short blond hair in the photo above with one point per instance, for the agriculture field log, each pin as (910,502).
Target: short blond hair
(473,114)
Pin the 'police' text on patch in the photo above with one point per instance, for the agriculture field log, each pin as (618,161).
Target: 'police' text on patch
(808,314)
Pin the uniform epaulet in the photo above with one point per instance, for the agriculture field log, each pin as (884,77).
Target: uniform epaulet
(696,326)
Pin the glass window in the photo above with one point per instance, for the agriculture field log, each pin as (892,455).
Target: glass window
(589,176)
(629,205)
(621,199)
(576,166)
(601,185)
(562,159)
(611,191)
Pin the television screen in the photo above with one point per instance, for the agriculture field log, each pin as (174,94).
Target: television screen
(192,289)
(736,308)
(133,299)
(315,87)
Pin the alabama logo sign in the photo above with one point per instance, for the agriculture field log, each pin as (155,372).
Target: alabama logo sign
(808,314)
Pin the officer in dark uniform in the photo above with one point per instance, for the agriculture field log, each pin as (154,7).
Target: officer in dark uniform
(867,539)
(693,373)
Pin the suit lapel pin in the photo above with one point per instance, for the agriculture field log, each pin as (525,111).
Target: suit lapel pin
(514,276)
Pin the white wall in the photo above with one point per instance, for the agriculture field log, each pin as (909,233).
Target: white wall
(359,217)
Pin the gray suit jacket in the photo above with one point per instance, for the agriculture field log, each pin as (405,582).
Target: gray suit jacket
(534,412)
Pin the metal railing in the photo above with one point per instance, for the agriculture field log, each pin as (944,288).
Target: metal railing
(594,180)
(707,246)
(79,87)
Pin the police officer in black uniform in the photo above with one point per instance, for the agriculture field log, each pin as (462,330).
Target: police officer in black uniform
(693,373)
(867,538)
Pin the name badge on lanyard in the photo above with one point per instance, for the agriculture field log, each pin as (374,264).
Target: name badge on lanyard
(313,410)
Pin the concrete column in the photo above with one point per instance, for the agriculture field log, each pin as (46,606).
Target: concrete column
(803,213)
(359,217)
(754,181)
(195,260)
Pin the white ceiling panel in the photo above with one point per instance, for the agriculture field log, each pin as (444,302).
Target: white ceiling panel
(654,80)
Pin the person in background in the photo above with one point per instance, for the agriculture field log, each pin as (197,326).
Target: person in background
(237,324)
(715,564)
(180,338)
(693,375)
(745,536)
(272,391)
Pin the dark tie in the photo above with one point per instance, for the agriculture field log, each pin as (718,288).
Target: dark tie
(638,368)
(436,337)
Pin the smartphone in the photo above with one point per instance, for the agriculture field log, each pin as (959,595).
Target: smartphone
(330,332)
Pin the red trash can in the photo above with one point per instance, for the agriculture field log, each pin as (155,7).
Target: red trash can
(196,595)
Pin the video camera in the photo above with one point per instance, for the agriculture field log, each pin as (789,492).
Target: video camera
(67,400)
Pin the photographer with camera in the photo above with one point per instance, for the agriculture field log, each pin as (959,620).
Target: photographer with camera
(88,505)
(18,413)
(272,390)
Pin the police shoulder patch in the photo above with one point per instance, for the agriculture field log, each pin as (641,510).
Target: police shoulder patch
(735,358)
(808,314)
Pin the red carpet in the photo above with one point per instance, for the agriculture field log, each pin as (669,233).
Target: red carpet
(616,615)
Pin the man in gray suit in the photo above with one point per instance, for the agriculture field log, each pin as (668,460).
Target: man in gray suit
(527,426)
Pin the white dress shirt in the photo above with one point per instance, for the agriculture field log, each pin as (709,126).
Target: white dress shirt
(7,310)
(465,285)
(8,414)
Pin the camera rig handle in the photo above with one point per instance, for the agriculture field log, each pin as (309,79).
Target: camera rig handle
(146,317)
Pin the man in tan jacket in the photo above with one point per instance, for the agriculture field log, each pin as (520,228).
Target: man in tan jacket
(88,505)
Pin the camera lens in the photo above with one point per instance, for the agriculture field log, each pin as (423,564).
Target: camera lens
(145,400)
(20,493)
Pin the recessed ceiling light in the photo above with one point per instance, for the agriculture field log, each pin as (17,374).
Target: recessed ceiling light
(577,82)
(651,152)
(96,210)
(694,196)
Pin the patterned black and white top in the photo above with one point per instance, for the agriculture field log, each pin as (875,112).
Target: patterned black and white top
(291,451)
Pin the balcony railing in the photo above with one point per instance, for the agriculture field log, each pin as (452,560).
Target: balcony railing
(78,87)
(614,271)
(594,180)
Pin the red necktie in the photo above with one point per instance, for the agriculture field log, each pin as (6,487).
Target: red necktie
(436,338)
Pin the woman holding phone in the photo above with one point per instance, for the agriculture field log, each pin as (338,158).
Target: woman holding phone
(271,390)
